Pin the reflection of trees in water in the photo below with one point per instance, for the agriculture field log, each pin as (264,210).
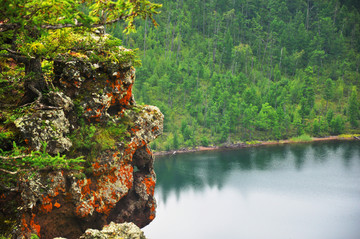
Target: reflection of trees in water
(299,151)
(350,150)
(347,150)
(321,152)
(196,171)
(268,157)
(333,146)
(190,171)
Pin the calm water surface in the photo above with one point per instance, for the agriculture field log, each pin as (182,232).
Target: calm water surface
(304,191)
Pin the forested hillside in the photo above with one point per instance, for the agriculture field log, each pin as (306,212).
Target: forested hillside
(226,71)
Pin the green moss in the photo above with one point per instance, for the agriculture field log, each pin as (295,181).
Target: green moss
(92,138)
(82,138)
(79,110)
(108,136)
(104,139)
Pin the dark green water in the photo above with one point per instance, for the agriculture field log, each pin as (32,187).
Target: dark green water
(303,191)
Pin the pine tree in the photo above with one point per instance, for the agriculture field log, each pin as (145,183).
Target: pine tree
(353,108)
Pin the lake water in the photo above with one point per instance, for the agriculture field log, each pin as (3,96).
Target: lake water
(302,191)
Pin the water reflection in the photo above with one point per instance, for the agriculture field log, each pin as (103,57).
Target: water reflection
(313,189)
(197,170)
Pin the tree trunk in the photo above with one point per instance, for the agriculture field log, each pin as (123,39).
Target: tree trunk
(34,83)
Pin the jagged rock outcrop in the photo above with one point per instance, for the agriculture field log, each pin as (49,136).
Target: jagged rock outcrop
(93,113)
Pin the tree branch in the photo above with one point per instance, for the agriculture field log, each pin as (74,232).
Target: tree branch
(8,27)
(8,172)
(12,26)
(11,51)
(17,56)
(60,26)
(20,59)
(11,189)
(15,157)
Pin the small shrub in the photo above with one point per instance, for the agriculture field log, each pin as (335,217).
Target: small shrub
(204,141)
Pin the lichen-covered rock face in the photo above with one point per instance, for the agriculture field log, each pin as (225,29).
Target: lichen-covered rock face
(119,180)
(50,126)
(113,230)
(102,89)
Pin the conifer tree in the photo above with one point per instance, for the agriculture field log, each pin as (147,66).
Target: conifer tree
(353,111)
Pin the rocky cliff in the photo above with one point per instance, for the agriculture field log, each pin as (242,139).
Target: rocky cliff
(91,113)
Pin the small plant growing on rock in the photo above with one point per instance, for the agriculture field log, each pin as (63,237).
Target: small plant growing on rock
(20,162)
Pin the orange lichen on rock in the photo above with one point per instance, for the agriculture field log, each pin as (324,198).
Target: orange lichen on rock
(111,185)
(85,186)
(34,226)
(30,227)
(126,173)
(135,129)
(99,169)
(24,225)
(129,151)
(148,150)
(96,165)
(152,210)
(82,210)
(150,185)
(46,205)
(116,155)
(56,204)
(127,97)
(113,178)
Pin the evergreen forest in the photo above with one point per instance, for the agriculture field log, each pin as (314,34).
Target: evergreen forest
(225,71)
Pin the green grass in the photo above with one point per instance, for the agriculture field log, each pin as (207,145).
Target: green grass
(302,138)
(253,142)
(347,136)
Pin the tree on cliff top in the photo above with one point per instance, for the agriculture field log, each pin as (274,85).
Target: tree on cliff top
(34,30)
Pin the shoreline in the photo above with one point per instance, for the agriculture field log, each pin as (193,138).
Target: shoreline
(244,145)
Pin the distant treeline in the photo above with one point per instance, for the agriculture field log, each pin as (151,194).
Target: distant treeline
(241,70)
